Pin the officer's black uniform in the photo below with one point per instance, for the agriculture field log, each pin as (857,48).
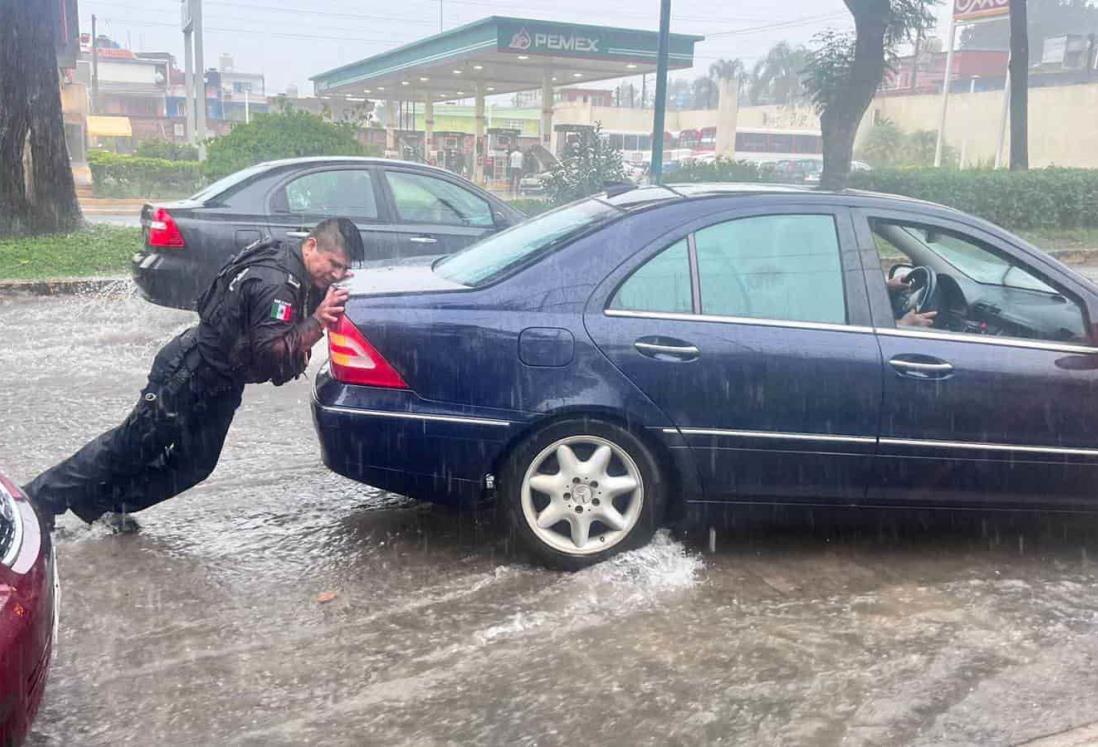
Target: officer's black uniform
(252,328)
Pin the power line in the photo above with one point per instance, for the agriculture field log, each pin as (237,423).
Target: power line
(790,23)
(284,35)
(474,3)
(279,9)
(616,12)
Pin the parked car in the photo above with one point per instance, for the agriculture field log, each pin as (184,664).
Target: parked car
(28,612)
(402,209)
(659,348)
(533,183)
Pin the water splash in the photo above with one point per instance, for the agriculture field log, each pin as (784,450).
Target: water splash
(619,586)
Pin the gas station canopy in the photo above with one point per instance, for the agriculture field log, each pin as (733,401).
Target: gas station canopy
(499,55)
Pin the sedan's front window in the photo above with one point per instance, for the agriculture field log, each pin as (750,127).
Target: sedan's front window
(497,254)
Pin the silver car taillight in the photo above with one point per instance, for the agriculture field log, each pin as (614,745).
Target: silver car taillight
(11,528)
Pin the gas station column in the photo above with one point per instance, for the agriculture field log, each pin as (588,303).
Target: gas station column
(428,128)
(547,110)
(390,127)
(480,145)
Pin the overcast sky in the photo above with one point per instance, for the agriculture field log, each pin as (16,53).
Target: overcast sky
(289,43)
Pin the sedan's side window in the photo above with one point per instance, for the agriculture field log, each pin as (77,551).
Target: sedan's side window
(939,279)
(661,284)
(784,267)
(346,192)
(424,199)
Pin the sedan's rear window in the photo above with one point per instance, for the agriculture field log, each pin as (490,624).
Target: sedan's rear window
(226,183)
(484,261)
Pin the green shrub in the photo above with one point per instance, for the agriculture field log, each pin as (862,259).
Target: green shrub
(587,166)
(115,175)
(887,146)
(167,150)
(289,134)
(721,170)
(1039,198)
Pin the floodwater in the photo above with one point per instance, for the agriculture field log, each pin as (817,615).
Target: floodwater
(799,629)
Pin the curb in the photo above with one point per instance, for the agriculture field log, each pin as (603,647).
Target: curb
(65,286)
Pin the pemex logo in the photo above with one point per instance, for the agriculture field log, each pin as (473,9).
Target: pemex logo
(520,41)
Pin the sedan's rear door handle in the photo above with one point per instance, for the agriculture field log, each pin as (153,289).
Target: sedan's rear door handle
(684,352)
(423,240)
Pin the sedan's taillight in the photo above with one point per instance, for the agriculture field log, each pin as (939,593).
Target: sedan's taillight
(163,232)
(355,361)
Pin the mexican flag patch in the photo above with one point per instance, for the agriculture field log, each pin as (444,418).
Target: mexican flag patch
(282,311)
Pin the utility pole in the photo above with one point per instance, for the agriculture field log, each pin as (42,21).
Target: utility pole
(1019,86)
(440,16)
(187,22)
(95,69)
(656,168)
(200,81)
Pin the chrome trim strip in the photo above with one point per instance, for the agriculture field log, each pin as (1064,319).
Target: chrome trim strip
(821,438)
(1007,342)
(678,317)
(972,446)
(416,416)
(818,437)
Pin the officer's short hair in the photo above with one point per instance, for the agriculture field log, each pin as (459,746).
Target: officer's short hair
(339,234)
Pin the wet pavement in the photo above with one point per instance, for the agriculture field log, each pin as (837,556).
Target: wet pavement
(801,628)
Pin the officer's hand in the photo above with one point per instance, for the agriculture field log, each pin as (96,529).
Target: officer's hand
(331,308)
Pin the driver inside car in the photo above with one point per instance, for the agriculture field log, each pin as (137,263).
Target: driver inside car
(898,287)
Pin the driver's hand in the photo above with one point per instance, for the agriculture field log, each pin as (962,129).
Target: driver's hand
(915,319)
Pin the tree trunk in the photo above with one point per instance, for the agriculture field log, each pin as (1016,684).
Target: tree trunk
(839,121)
(1019,86)
(13,123)
(30,98)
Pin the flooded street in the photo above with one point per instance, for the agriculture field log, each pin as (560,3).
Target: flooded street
(801,628)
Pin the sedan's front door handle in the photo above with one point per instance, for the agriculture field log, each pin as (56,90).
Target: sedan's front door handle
(298,234)
(423,240)
(923,368)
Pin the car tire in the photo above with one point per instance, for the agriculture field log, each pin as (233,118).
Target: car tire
(582,472)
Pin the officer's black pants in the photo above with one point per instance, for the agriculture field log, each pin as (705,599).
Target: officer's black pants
(170,442)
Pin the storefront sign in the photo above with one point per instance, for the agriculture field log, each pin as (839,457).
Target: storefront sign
(973,10)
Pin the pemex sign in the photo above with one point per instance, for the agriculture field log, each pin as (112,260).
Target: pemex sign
(978,10)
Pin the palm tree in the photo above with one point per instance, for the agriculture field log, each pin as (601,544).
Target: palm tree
(730,70)
(776,78)
(704,90)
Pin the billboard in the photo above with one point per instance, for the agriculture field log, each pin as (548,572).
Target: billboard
(978,10)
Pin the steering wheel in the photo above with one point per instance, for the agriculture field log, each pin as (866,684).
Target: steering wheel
(922,295)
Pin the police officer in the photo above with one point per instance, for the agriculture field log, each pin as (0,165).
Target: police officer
(258,322)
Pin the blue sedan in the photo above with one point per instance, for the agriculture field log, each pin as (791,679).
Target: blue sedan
(606,363)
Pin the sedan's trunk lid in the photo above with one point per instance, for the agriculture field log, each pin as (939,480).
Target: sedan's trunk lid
(412,275)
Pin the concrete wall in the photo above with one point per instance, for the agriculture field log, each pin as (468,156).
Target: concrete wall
(1063,123)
